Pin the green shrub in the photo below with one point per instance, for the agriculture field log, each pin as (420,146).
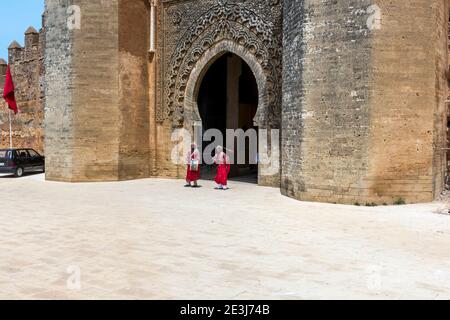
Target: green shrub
(399,202)
(372,204)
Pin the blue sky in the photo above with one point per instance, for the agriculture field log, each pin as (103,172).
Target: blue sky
(21,14)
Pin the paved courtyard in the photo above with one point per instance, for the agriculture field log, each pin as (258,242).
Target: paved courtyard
(153,239)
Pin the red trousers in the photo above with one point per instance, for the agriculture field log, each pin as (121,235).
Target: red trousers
(192,176)
(222,174)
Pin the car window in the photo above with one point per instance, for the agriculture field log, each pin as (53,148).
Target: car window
(33,153)
(23,153)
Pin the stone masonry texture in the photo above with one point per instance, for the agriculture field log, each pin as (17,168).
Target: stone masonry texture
(358,89)
(27,69)
(363,109)
(327,59)
(59,113)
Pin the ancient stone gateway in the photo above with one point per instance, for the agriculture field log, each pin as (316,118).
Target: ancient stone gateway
(226,27)
(267,115)
(264,117)
(355,124)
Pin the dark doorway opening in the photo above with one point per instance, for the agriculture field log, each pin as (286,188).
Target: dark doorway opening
(228,99)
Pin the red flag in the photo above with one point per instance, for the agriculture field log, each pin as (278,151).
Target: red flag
(8,92)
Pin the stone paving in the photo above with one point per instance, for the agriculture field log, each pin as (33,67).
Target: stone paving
(154,239)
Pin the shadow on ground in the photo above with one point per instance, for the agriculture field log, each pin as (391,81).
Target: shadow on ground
(12,176)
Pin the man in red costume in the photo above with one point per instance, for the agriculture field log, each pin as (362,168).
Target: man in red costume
(223,169)
(193,167)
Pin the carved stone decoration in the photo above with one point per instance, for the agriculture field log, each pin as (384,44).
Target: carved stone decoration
(239,24)
(177,18)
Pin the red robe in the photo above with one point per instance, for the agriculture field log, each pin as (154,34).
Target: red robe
(223,169)
(193,176)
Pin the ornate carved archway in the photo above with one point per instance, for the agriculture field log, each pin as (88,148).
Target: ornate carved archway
(226,27)
(191,111)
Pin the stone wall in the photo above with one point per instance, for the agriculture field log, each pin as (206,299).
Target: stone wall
(27,71)
(3,66)
(447,178)
(97,109)
(441,169)
(408,93)
(364,110)
(326,77)
(59,136)
(134,44)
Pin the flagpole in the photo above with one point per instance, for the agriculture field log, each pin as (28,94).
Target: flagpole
(10,129)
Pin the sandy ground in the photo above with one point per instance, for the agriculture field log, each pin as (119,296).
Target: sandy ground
(153,239)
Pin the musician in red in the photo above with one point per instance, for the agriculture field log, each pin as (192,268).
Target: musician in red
(223,169)
(193,167)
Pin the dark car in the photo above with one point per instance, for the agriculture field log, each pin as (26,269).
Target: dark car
(20,161)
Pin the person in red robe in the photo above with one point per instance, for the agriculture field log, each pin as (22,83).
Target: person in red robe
(223,168)
(193,167)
